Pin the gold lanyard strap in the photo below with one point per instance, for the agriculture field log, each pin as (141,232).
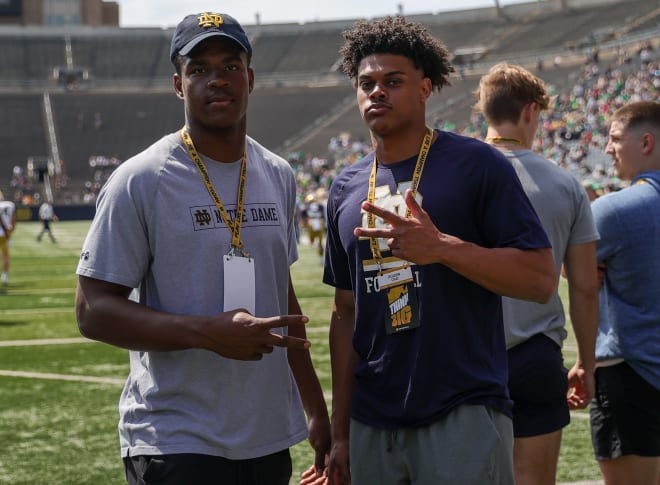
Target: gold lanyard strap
(234,227)
(417,176)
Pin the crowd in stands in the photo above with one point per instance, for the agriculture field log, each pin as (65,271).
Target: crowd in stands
(574,129)
(573,134)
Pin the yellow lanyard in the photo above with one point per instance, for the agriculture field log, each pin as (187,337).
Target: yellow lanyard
(235,226)
(417,176)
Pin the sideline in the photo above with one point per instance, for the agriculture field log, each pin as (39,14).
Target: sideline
(51,341)
(62,377)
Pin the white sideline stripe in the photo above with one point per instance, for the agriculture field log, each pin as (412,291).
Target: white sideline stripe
(52,341)
(43,291)
(31,311)
(62,377)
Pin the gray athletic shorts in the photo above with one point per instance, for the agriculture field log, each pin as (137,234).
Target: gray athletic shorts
(625,414)
(472,445)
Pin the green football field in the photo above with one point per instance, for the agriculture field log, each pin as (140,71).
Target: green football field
(59,392)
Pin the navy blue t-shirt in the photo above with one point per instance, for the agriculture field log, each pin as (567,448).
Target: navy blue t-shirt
(457,355)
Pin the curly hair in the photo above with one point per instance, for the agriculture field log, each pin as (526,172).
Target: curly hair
(396,35)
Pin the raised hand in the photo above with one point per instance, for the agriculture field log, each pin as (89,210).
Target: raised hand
(414,239)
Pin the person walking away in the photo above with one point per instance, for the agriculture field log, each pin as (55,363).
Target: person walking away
(46,216)
(7,227)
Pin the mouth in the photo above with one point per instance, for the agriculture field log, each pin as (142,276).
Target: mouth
(219,100)
(377,109)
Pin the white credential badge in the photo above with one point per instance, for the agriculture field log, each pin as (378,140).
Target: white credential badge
(239,283)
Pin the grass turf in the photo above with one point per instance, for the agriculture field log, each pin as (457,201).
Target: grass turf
(56,431)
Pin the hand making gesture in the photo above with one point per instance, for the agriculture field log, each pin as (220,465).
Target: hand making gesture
(414,239)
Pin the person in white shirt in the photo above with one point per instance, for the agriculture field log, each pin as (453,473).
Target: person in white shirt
(46,216)
(7,226)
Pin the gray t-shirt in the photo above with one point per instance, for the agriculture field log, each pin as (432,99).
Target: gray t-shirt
(563,207)
(157,229)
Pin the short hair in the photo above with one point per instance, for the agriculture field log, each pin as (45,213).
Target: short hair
(505,90)
(396,35)
(638,114)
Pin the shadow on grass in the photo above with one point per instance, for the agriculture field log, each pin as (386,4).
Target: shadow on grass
(11,323)
(8,288)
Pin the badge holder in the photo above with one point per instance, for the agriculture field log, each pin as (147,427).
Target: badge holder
(399,290)
(239,281)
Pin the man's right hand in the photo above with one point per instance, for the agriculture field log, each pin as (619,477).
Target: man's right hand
(239,335)
(339,472)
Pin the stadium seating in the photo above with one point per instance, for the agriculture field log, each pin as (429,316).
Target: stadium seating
(123,99)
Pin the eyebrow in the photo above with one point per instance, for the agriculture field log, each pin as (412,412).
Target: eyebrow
(387,74)
(203,55)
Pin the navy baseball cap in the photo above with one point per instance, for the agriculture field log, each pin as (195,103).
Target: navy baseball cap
(195,28)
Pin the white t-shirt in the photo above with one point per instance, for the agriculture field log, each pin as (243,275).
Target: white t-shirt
(7,209)
(46,211)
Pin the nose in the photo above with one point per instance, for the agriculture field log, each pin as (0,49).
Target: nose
(216,80)
(378,91)
(608,148)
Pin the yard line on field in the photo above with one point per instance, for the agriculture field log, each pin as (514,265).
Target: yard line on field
(62,377)
(45,341)
(29,311)
(42,291)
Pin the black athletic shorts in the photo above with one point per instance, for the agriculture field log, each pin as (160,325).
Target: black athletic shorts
(538,382)
(194,469)
(625,414)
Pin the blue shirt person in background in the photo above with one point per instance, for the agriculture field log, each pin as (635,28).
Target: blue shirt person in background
(625,414)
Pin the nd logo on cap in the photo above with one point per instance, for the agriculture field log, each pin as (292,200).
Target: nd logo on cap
(210,20)
(195,28)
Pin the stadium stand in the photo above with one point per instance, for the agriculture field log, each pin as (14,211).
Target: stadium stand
(122,55)
(23,129)
(81,92)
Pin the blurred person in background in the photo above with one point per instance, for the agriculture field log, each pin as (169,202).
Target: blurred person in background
(46,216)
(625,413)
(7,227)
(511,99)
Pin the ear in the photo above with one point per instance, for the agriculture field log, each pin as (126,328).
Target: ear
(250,79)
(648,143)
(426,88)
(178,85)
(529,111)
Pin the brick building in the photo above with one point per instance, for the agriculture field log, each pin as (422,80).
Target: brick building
(59,12)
